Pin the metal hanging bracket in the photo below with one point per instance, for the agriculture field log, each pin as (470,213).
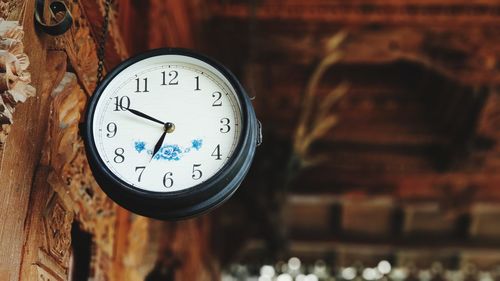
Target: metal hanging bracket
(58,28)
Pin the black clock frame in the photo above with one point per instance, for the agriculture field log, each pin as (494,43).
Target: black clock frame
(191,201)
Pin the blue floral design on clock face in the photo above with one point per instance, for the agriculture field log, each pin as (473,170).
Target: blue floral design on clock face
(140,146)
(196,144)
(169,152)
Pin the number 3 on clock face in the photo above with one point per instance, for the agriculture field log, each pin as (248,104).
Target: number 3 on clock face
(170,122)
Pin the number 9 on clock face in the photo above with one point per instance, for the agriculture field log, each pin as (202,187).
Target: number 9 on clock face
(166,122)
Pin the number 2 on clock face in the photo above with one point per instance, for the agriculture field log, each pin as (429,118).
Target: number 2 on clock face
(165,125)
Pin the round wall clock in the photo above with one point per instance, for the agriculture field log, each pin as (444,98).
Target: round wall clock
(170,134)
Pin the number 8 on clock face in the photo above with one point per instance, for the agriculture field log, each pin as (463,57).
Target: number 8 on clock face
(170,122)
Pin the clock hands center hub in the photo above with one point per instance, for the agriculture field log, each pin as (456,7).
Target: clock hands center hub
(169,127)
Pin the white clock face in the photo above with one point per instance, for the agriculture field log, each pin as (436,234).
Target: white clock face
(133,138)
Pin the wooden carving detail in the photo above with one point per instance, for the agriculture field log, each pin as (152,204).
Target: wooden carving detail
(9,9)
(57,220)
(44,275)
(80,47)
(48,267)
(14,78)
(80,41)
(71,177)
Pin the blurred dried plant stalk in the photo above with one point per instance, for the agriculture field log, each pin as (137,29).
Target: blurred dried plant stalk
(316,118)
(14,78)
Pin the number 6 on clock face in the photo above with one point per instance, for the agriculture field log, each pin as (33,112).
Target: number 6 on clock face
(167,127)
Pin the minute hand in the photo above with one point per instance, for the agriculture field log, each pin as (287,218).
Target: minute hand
(143,115)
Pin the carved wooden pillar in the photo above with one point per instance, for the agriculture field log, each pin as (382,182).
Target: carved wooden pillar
(43,197)
(65,194)
(41,231)
(20,152)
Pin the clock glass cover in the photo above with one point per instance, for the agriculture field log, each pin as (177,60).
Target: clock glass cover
(167,123)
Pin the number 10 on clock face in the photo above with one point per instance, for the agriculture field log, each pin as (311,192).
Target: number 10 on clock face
(167,123)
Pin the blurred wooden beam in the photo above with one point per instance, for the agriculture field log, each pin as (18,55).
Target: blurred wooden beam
(430,12)
(469,59)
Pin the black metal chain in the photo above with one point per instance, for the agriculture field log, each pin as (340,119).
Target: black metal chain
(102,41)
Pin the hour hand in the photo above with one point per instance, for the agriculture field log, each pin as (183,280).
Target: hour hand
(167,128)
(143,115)
(158,144)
